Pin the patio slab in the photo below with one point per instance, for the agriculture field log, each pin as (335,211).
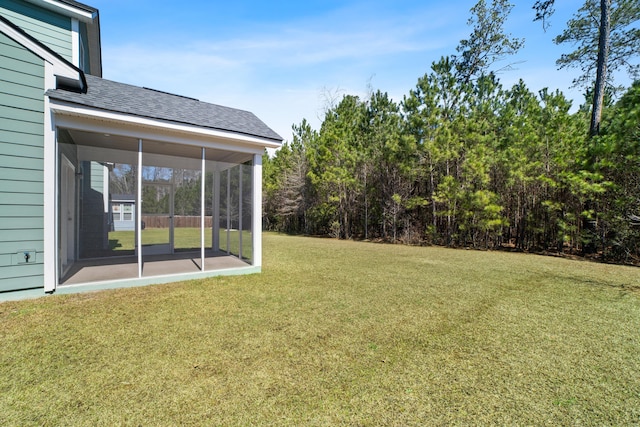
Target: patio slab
(113,273)
(109,269)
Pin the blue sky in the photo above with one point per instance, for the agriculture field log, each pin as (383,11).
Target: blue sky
(283,60)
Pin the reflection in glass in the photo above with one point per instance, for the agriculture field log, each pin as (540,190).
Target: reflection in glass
(122,191)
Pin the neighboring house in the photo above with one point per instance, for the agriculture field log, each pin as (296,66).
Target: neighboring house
(123,212)
(74,148)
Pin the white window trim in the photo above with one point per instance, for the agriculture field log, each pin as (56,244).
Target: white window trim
(75,42)
(50,188)
(256,227)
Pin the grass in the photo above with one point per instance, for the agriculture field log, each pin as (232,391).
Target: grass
(184,238)
(336,333)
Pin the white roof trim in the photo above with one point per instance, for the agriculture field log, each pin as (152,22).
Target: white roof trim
(60,67)
(69,109)
(66,9)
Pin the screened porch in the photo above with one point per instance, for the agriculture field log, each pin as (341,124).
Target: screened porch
(132,208)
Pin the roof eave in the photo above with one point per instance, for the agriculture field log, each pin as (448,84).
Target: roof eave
(84,14)
(65,108)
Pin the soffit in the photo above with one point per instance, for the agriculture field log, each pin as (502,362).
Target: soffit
(125,143)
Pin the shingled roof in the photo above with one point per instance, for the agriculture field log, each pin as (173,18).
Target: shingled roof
(148,103)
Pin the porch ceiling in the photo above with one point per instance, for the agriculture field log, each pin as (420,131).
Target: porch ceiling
(126,143)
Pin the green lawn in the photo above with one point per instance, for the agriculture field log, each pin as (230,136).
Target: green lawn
(185,238)
(336,333)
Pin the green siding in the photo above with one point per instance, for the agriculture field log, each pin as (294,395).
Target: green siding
(21,164)
(18,236)
(97,177)
(22,222)
(24,281)
(18,88)
(9,248)
(9,149)
(48,27)
(13,49)
(10,211)
(25,78)
(11,137)
(21,126)
(10,186)
(22,175)
(14,114)
(27,199)
(22,97)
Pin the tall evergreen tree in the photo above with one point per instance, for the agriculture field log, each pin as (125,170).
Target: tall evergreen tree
(332,161)
(487,42)
(606,39)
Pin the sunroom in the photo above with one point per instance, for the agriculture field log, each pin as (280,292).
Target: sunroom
(151,187)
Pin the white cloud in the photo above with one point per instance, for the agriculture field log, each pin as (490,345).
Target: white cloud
(278,72)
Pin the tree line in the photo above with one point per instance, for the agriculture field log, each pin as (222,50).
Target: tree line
(463,161)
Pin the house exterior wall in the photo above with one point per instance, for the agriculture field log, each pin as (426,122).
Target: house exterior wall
(93,226)
(21,166)
(48,27)
(33,140)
